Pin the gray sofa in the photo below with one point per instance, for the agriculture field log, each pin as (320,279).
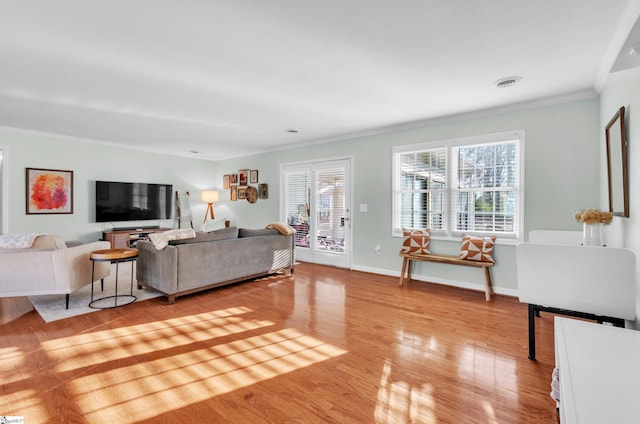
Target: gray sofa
(213,259)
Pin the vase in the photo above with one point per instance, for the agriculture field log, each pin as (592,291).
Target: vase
(593,235)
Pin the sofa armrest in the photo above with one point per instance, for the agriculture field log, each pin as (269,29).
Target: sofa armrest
(74,265)
(59,271)
(157,268)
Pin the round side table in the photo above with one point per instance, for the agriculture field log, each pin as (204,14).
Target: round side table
(117,256)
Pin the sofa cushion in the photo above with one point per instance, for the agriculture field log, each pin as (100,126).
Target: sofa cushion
(249,232)
(203,237)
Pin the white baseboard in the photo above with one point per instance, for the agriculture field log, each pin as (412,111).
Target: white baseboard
(437,280)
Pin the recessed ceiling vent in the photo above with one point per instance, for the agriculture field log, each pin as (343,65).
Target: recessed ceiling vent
(507,82)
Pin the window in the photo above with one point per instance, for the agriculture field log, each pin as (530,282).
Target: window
(465,186)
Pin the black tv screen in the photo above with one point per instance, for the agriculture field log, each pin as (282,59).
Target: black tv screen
(122,201)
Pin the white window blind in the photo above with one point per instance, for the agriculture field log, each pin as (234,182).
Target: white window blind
(486,177)
(297,204)
(423,177)
(470,186)
(330,209)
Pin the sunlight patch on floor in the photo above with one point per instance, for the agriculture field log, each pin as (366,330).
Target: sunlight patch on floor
(27,400)
(484,368)
(142,391)
(399,402)
(477,366)
(94,348)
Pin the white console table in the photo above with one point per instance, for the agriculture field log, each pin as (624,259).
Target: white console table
(599,369)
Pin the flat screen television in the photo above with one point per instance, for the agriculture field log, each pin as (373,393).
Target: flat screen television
(123,201)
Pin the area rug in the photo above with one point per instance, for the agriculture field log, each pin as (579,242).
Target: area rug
(52,307)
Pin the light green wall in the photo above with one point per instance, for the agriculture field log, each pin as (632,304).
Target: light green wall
(561,151)
(562,160)
(623,89)
(89,162)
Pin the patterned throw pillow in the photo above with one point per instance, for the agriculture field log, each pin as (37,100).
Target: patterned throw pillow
(476,248)
(415,241)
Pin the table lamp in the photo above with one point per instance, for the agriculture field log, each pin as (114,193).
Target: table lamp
(209,196)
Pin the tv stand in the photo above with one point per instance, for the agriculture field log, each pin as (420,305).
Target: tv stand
(146,227)
(124,238)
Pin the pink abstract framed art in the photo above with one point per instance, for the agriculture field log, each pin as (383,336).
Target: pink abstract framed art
(49,191)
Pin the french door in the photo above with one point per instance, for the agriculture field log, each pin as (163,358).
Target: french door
(316,201)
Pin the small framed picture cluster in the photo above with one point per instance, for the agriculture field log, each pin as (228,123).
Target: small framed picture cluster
(245,185)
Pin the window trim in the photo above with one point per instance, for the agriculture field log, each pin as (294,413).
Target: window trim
(449,233)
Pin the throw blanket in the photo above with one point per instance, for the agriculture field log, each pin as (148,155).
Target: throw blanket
(161,240)
(283,228)
(17,241)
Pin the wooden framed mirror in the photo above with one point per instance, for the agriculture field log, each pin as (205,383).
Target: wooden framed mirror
(617,165)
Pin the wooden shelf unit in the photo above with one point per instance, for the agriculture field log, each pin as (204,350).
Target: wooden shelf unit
(127,238)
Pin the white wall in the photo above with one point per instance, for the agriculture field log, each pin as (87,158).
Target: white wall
(623,89)
(562,159)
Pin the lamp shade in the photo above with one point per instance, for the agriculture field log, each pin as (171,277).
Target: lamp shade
(209,196)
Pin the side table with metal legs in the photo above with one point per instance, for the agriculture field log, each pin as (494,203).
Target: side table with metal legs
(117,256)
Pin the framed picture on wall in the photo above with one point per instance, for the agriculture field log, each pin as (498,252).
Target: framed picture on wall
(244,176)
(253,176)
(225,181)
(234,193)
(242,193)
(263,191)
(49,191)
(233,179)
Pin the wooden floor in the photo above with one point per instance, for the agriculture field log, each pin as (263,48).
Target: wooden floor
(325,345)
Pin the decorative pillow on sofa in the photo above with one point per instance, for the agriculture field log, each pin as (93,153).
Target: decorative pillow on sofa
(203,237)
(415,241)
(476,248)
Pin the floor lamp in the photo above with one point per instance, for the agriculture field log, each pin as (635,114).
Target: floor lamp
(209,196)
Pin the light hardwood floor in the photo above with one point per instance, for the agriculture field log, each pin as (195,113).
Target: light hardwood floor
(325,345)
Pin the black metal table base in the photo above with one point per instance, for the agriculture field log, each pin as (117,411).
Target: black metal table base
(94,304)
(130,297)
(534,311)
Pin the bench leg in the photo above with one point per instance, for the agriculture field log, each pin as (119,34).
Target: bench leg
(488,291)
(404,268)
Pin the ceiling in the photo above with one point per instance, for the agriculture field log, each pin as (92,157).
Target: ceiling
(232,78)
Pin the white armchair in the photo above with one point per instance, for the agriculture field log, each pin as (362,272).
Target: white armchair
(49,268)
